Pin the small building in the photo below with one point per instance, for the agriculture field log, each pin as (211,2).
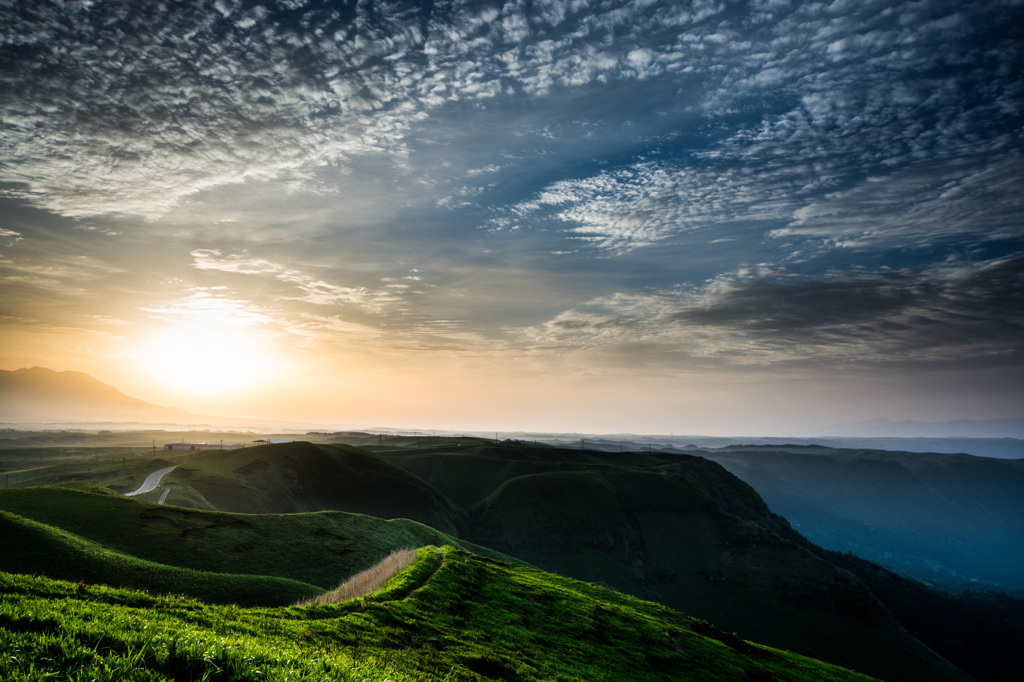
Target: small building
(269,441)
(195,447)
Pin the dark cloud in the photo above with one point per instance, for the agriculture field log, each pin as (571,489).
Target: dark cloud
(772,305)
(957,312)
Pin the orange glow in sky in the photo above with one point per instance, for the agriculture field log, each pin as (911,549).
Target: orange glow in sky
(223,361)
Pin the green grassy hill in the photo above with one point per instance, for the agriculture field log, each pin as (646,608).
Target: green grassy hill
(316,548)
(303,477)
(451,615)
(680,531)
(35,548)
(662,527)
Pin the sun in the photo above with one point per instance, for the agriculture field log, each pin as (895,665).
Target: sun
(221,361)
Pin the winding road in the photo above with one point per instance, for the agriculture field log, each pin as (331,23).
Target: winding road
(152,481)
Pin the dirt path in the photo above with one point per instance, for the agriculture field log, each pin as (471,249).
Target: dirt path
(151,482)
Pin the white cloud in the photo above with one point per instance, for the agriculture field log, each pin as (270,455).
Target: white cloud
(314,290)
(9,237)
(180,104)
(828,125)
(649,202)
(204,304)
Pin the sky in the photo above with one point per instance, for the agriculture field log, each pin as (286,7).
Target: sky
(701,217)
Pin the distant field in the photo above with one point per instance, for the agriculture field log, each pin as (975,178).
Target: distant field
(143,439)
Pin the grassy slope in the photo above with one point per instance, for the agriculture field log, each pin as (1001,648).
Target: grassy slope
(282,478)
(302,477)
(656,532)
(31,547)
(661,540)
(318,548)
(451,615)
(109,467)
(640,523)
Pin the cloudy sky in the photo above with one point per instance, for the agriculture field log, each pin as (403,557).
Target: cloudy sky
(701,217)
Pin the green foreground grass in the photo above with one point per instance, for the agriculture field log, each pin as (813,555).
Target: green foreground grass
(451,615)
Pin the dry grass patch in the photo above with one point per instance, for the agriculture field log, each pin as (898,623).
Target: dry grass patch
(365,582)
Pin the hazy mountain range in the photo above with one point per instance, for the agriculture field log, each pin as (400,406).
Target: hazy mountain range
(910,428)
(44,396)
(39,395)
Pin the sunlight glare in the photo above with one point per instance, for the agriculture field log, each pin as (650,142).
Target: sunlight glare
(218,360)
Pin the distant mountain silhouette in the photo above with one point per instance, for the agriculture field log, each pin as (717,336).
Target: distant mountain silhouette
(909,428)
(44,395)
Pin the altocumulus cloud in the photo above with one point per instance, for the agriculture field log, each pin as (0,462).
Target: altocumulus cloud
(855,166)
(871,129)
(122,107)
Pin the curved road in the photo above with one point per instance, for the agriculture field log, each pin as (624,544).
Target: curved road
(152,481)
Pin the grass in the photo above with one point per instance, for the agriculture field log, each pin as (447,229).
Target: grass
(450,615)
(365,582)
(315,549)
(680,531)
(303,477)
(32,547)
(668,528)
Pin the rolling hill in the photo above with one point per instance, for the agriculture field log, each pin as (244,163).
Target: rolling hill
(451,615)
(677,530)
(315,549)
(35,548)
(674,529)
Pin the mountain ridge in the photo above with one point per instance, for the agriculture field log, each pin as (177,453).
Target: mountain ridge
(71,399)
(914,428)
(47,395)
